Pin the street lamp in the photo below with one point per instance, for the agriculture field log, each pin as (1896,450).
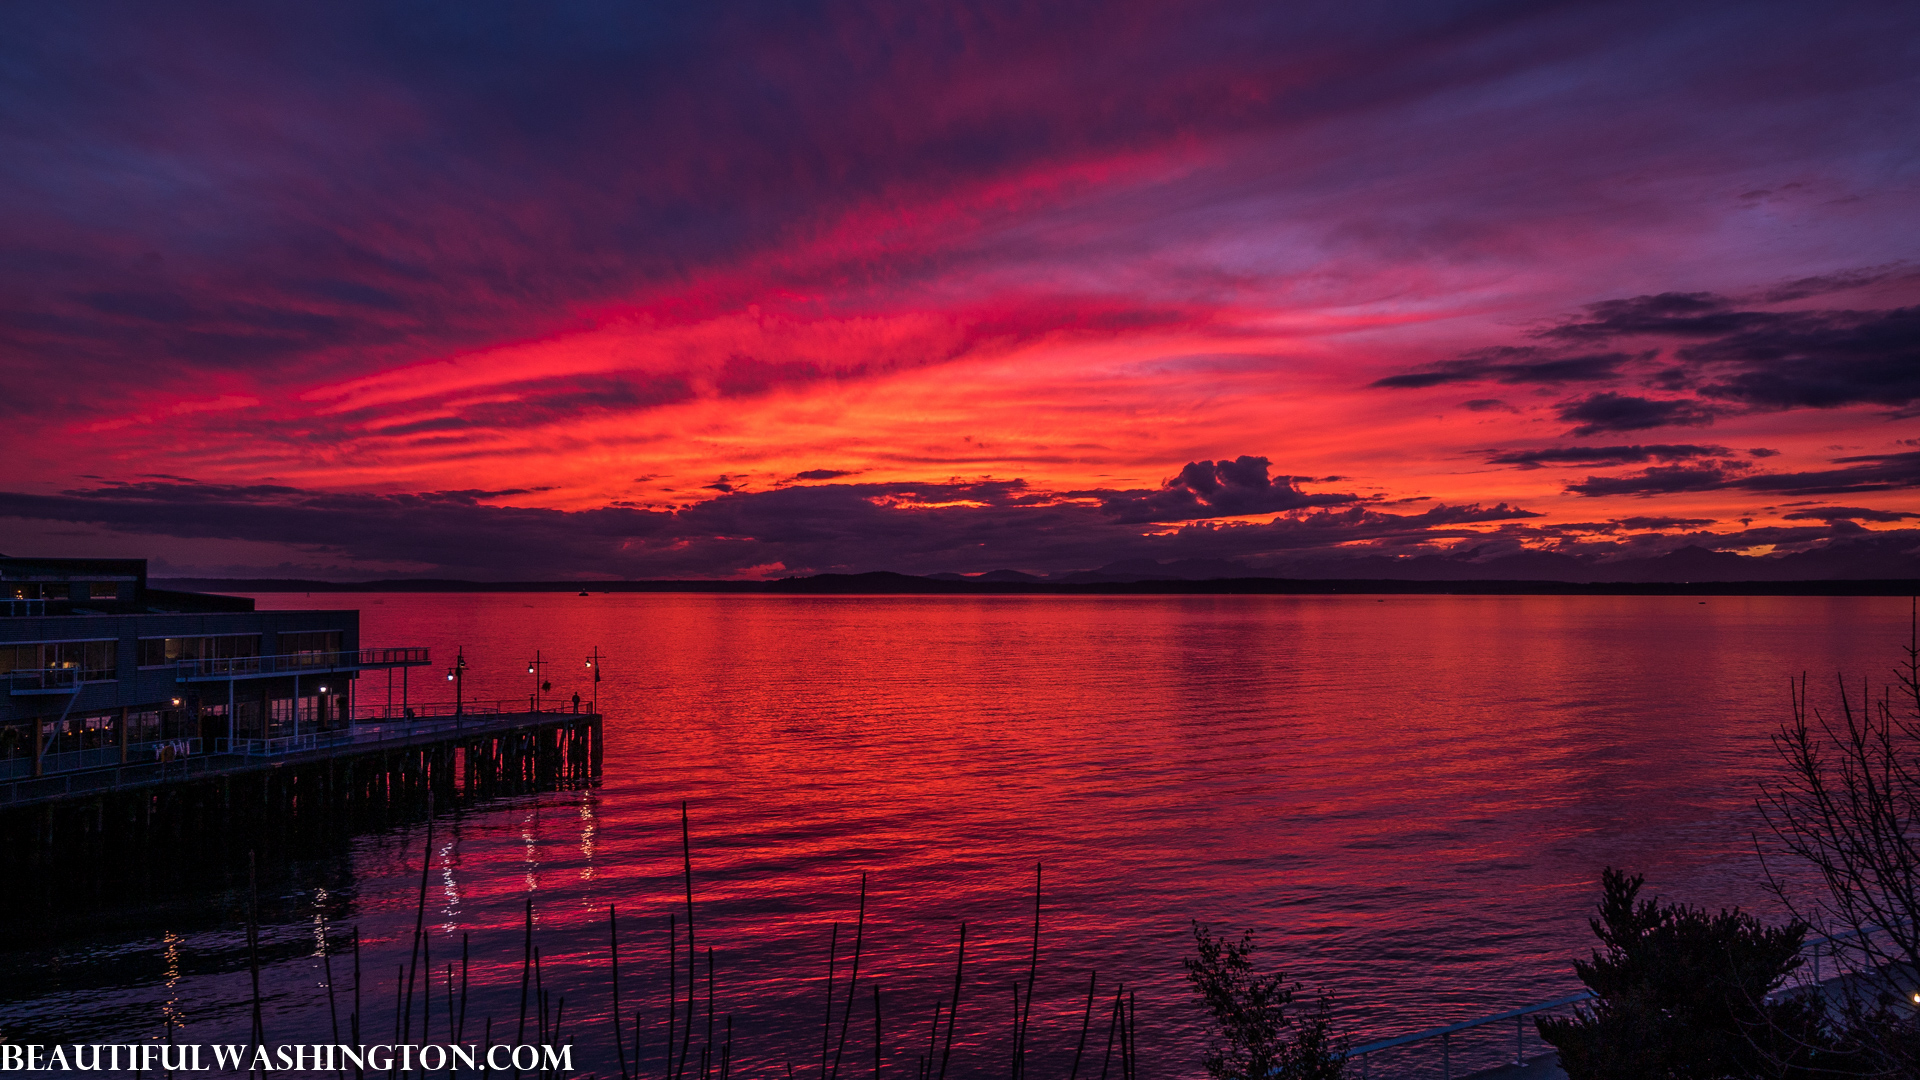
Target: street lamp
(533,668)
(593,665)
(457,675)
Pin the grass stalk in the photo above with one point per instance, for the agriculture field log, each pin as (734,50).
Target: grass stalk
(853,976)
(953,1010)
(1086,1018)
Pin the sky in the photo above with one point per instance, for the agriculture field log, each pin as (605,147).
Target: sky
(633,290)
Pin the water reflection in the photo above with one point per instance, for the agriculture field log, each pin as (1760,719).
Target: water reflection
(1411,793)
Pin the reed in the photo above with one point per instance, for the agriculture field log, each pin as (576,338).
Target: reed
(1086,1018)
(419,923)
(259,1035)
(846,1016)
(613,949)
(1033,970)
(353,1018)
(953,1010)
(542,1011)
(1113,1025)
(326,958)
(686,853)
(826,1025)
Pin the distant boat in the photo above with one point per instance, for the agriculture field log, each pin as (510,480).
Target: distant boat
(583,592)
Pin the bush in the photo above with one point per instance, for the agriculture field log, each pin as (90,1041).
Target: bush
(1681,994)
(1846,805)
(1259,1037)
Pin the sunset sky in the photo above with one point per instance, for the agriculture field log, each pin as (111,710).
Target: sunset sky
(637,290)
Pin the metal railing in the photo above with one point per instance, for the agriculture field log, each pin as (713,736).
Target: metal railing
(1812,948)
(24,788)
(240,667)
(13,607)
(430,710)
(1446,1034)
(60,680)
(98,757)
(398,730)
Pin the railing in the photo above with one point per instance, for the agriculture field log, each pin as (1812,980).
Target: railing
(91,758)
(237,667)
(96,757)
(286,744)
(53,680)
(1834,943)
(12,607)
(428,710)
(24,788)
(399,730)
(1445,1034)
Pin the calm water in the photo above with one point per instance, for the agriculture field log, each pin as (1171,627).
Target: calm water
(1409,800)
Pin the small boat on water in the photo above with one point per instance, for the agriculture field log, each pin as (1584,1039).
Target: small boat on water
(583,592)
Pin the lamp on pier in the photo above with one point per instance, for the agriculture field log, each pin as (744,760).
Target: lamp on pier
(457,675)
(593,665)
(534,667)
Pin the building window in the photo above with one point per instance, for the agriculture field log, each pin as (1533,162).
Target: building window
(315,649)
(159,652)
(16,741)
(61,661)
(79,733)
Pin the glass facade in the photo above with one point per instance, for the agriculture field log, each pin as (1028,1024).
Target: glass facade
(86,661)
(158,652)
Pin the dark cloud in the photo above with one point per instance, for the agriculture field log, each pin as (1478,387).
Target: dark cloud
(1719,351)
(1872,472)
(1663,523)
(1210,489)
(1820,284)
(534,402)
(1659,480)
(916,528)
(821,474)
(1610,411)
(1819,360)
(1769,359)
(1513,365)
(1847,513)
(1603,455)
(1682,315)
(1869,472)
(1487,405)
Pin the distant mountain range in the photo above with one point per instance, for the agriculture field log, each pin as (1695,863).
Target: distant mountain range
(1865,560)
(1884,565)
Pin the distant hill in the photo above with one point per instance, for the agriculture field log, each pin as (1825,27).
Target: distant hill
(1886,562)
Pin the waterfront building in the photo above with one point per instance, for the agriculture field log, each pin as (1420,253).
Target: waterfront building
(100,670)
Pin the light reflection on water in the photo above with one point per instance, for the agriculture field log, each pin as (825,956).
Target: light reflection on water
(1409,799)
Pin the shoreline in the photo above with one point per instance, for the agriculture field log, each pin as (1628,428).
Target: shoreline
(881,583)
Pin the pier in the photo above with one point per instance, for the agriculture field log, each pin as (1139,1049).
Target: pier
(254,794)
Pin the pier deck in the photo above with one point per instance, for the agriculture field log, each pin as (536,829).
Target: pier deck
(491,744)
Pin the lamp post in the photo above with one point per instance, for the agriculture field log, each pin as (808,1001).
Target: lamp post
(593,665)
(457,675)
(534,667)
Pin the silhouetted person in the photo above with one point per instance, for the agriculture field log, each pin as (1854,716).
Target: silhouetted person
(576,701)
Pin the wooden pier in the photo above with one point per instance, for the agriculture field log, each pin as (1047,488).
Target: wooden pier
(269,793)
